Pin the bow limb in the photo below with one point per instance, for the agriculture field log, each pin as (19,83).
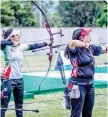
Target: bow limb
(44,76)
(47,25)
(50,55)
(39,9)
(106,1)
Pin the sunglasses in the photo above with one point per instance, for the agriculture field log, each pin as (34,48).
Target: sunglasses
(15,35)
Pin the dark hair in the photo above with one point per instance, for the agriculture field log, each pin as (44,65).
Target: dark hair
(80,32)
(7,33)
(66,52)
(76,34)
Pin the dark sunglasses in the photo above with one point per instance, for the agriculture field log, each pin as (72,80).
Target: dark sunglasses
(15,35)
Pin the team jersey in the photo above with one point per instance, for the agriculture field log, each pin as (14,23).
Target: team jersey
(83,61)
(13,57)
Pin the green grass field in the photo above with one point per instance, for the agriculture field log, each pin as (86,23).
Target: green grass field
(50,105)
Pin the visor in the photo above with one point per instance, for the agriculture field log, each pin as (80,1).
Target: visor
(14,32)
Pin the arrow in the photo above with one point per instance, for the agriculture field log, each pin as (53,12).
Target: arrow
(48,48)
(36,111)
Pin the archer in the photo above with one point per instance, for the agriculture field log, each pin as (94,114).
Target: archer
(12,80)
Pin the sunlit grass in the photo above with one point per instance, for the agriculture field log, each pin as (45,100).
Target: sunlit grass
(50,105)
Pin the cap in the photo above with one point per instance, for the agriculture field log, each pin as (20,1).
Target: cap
(85,32)
(80,32)
(9,33)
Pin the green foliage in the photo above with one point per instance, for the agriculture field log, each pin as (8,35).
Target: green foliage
(17,14)
(57,22)
(83,13)
(7,14)
(59,14)
(74,13)
(102,16)
(27,16)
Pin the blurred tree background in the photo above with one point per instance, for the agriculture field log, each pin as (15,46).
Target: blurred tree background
(17,14)
(59,13)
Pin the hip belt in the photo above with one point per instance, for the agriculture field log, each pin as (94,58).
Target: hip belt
(81,82)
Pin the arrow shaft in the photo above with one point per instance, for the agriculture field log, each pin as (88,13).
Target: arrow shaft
(48,48)
(20,109)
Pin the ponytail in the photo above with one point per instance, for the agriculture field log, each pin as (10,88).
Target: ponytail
(66,54)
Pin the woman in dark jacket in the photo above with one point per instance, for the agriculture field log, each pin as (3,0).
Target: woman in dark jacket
(81,54)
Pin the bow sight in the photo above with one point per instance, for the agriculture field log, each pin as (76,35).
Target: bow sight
(60,32)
